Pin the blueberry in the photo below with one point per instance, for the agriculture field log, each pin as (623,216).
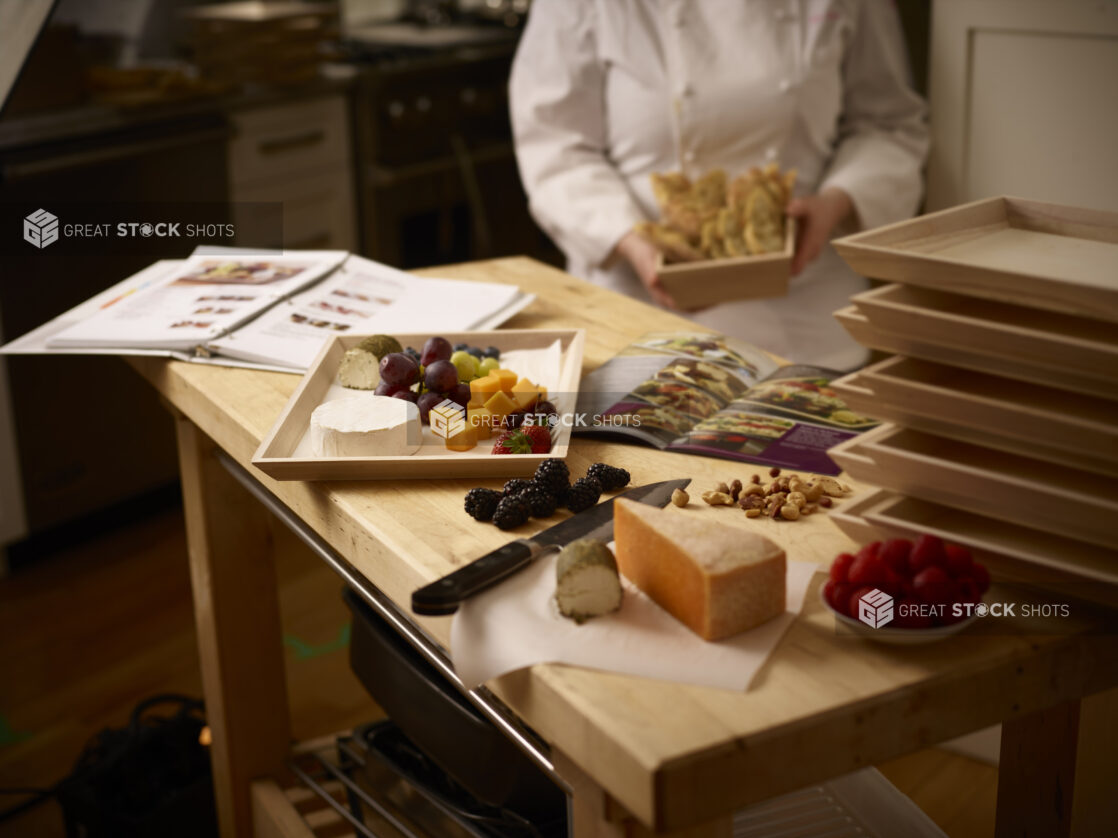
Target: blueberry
(459,347)
(492,352)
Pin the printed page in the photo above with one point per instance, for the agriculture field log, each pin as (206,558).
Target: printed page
(364,297)
(665,383)
(206,297)
(790,419)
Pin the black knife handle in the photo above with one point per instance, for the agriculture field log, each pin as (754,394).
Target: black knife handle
(443,596)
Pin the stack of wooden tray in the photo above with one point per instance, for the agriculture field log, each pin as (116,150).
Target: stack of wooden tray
(1001,397)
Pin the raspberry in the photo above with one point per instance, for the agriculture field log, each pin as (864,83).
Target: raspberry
(840,567)
(981,577)
(852,602)
(837,594)
(933,585)
(895,553)
(927,552)
(959,561)
(867,570)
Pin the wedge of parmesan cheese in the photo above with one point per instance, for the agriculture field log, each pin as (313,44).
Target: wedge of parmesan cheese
(586,581)
(715,578)
(365,425)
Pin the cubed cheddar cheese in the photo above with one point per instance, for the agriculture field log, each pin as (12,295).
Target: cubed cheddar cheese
(508,378)
(481,420)
(464,440)
(524,393)
(487,385)
(499,404)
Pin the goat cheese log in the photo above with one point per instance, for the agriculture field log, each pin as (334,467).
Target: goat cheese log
(715,578)
(586,581)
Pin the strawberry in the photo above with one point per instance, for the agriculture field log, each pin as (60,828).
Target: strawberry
(927,552)
(840,567)
(528,439)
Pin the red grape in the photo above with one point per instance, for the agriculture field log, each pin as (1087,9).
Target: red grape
(426,402)
(399,370)
(406,395)
(442,377)
(461,394)
(435,349)
(385,389)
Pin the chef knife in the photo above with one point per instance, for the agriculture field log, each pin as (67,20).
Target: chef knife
(443,596)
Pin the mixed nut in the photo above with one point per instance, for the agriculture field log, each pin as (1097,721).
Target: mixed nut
(786,497)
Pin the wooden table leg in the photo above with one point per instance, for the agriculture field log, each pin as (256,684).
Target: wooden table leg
(594,814)
(236,612)
(1058,776)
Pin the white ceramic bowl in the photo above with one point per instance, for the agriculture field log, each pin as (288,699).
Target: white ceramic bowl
(893,635)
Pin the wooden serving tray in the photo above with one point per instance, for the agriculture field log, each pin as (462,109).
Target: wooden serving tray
(859,327)
(1026,338)
(1060,500)
(1014,250)
(1028,413)
(856,392)
(1011,552)
(277,457)
(695,285)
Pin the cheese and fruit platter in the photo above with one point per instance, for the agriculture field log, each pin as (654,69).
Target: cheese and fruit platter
(464,404)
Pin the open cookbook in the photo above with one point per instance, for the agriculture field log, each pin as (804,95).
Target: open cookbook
(265,310)
(711,395)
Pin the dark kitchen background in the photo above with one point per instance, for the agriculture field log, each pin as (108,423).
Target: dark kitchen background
(381,126)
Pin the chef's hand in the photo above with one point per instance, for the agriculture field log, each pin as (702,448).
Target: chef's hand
(816,216)
(644,256)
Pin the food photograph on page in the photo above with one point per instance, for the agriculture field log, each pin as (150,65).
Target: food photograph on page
(434,418)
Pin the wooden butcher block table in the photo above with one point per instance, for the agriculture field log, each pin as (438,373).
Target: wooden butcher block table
(640,756)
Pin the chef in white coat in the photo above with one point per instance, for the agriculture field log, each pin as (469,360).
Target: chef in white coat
(606,92)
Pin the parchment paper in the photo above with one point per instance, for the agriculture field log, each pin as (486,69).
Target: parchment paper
(517,624)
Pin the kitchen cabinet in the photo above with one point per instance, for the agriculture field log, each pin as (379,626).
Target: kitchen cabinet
(1022,101)
(297,154)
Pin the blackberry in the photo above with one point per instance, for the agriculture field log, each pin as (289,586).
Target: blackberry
(554,475)
(611,477)
(511,512)
(584,494)
(516,486)
(540,499)
(481,503)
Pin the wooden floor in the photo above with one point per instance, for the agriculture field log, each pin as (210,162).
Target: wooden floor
(88,632)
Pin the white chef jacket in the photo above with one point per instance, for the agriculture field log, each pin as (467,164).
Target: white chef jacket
(605,92)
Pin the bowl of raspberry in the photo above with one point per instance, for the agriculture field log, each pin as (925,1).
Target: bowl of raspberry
(904,592)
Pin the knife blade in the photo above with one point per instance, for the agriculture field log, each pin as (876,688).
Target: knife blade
(444,595)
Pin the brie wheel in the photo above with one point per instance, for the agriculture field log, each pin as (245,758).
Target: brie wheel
(365,426)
